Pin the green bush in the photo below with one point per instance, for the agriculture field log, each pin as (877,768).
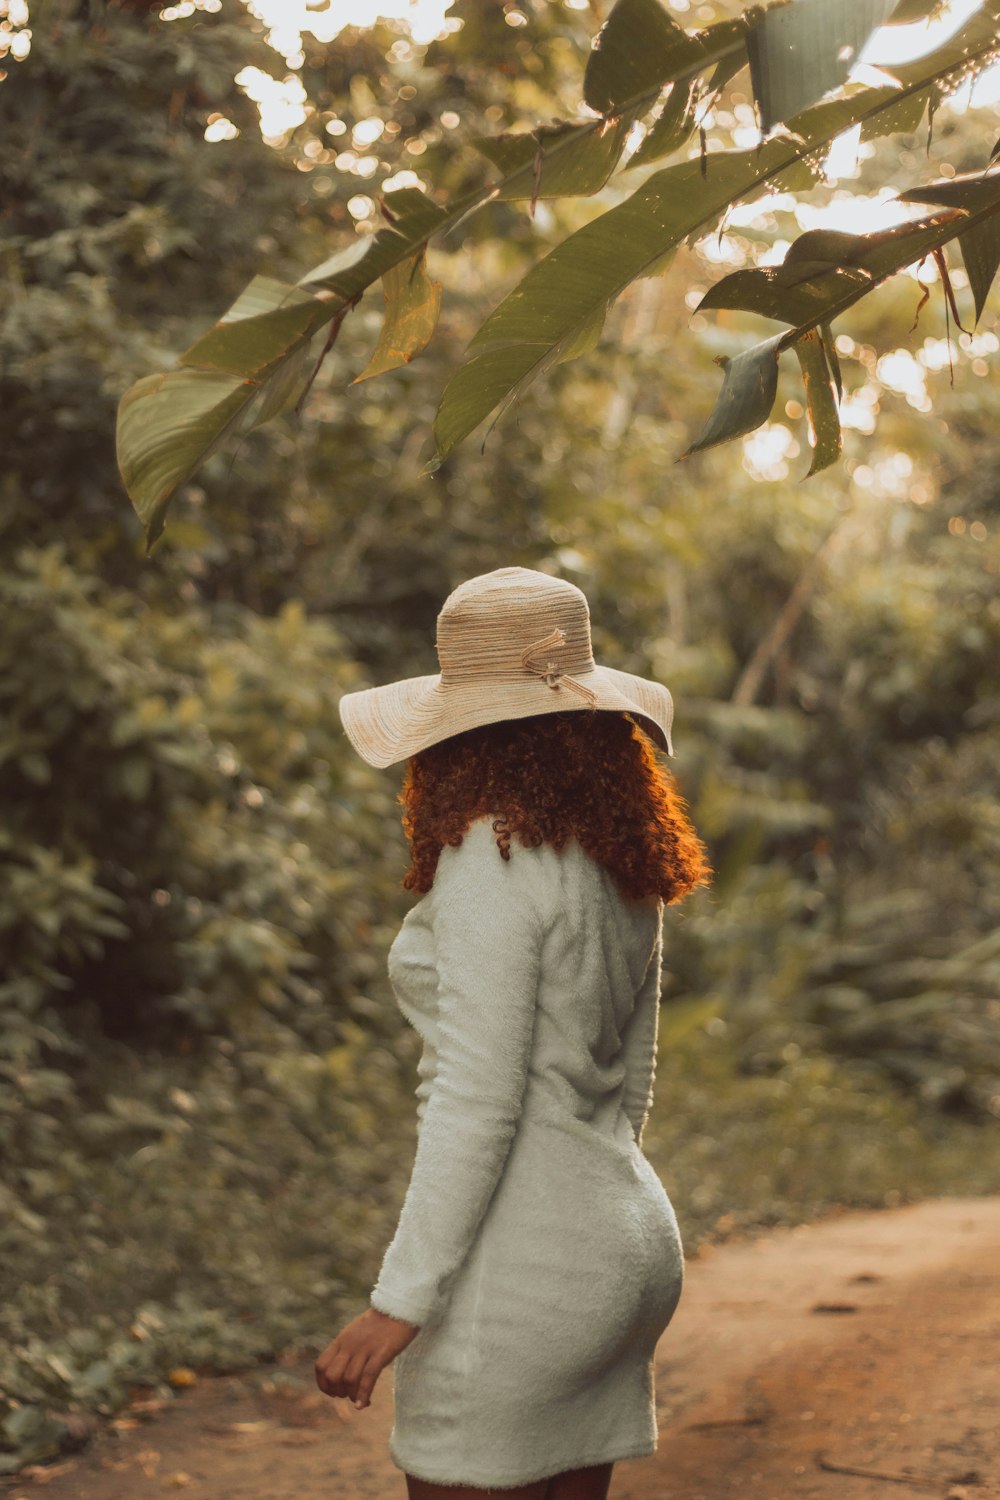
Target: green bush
(193,989)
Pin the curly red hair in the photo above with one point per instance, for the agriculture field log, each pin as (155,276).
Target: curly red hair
(592,776)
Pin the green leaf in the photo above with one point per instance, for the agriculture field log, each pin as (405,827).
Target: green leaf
(266,323)
(594,265)
(825,269)
(589,269)
(909,11)
(482,384)
(747,395)
(791,293)
(899,119)
(980,247)
(585,340)
(801,174)
(412,219)
(660,266)
(880,255)
(980,243)
(887,251)
(672,127)
(412,305)
(801,50)
(500,376)
(637,49)
(338,263)
(163,419)
(832,357)
(284,387)
(556,161)
(167,426)
(726,71)
(821,400)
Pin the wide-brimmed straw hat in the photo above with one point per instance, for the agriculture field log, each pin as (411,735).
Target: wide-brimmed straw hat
(510,643)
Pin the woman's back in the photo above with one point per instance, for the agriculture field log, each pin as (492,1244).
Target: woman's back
(593,1045)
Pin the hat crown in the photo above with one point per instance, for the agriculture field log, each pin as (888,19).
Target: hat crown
(487,624)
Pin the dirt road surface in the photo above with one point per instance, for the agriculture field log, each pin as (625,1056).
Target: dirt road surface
(856,1358)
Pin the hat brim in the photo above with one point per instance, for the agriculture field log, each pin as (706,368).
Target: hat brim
(391,723)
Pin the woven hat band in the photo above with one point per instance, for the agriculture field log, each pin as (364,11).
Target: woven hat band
(473,646)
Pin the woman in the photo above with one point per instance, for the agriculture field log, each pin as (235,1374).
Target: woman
(537,1258)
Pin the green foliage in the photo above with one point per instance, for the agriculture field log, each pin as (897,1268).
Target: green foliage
(779,1137)
(979,235)
(748,392)
(188,861)
(186,760)
(797,54)
(800,52)
(110,213)
(193,1212)
(639,49)
(824,273)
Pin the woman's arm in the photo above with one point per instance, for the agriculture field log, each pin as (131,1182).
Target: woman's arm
(639,1043)
(487,936)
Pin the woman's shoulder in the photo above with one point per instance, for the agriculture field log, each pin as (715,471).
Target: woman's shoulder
(483,845)
(500,868)
(497,861)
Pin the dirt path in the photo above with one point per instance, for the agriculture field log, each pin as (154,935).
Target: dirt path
(857,1358)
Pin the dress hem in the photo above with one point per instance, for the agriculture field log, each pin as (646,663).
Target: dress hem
(491,1482)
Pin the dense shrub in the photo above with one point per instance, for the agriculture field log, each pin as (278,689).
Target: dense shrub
(192,988)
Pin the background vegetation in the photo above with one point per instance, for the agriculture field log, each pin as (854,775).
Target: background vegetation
(206,1120)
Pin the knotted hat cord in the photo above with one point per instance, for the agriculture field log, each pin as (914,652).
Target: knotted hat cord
(552,673)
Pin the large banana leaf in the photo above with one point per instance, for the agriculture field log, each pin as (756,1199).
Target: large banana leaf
(822,268)
(593,266)
(556,161)
(802,50)
(268,320)
(980,242)
(260,338)
(167,426)
(639,49)
(878,256)
(262,342)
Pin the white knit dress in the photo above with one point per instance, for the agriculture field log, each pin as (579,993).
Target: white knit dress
(536,1248)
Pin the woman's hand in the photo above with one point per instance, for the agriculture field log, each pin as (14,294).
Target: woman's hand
(350,1365)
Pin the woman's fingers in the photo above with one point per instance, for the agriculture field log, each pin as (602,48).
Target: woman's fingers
(366,1384)
(364,1397)
(330,1369)
(352,1362)
(353,1372)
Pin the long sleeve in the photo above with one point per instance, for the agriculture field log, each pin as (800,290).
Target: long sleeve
(639,1043)
(487,940)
